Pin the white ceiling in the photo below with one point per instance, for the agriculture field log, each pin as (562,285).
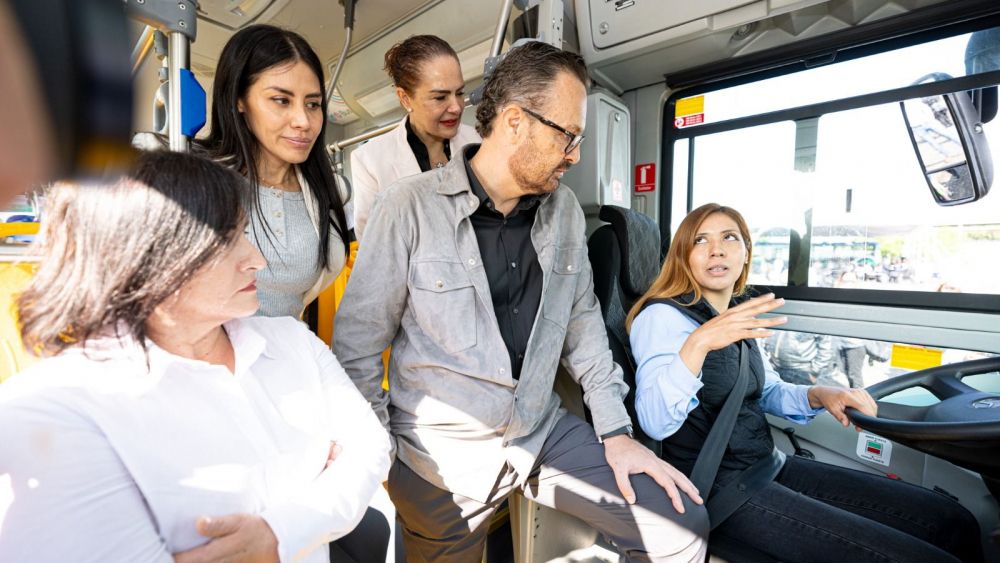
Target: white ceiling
(321,22)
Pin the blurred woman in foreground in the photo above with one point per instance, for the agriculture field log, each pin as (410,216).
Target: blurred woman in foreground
(165,422)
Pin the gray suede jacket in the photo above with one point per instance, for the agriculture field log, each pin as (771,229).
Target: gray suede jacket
(419,285)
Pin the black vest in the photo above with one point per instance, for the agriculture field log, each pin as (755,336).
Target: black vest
(751,438)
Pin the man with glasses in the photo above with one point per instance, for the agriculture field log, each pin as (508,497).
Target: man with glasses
(477,275)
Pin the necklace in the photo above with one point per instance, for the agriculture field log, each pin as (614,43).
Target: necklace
(439,164)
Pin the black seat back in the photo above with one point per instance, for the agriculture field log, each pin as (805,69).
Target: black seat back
(625,257)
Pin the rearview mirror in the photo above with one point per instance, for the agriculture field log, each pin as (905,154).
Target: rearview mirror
(950,146)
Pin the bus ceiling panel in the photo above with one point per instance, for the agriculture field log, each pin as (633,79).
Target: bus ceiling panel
(629,44)
(468,25)
(321,22)
(235,14)
(835,39)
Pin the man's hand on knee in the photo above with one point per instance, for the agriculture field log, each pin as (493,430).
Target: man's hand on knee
(628,457)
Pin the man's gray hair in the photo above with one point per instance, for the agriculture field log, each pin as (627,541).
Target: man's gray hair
(525,77)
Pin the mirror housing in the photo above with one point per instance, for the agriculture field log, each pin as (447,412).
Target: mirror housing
(950,145)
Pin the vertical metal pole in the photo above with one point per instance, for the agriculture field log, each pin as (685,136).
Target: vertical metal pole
(177,58)
(349,32)
(501,30)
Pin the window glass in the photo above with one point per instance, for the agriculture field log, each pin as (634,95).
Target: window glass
(842,201)
(751,170)
(20,210)
(807,358)
(875,225)
(961,55)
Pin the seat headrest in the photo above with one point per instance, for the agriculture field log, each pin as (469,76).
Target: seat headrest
(639,237)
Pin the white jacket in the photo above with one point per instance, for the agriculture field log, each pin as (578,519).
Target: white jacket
(383,160)
(336,257)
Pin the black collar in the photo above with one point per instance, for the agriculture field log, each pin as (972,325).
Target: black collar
(420,149)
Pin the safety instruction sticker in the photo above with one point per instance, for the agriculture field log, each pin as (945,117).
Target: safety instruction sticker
(874,448)
(915,357)
(689,111)
(617,191)
(338,111)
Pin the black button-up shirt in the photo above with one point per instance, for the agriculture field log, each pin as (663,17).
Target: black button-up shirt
(511,265)
(420,149)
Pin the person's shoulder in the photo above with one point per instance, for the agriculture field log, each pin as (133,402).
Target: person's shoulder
(659,314)
(411,192)
(369,147)
(564,209)
(66,379)
(376,146)
(565,199)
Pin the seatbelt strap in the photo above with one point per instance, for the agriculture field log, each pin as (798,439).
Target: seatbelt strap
(730,498)
(734,495)
(706,467)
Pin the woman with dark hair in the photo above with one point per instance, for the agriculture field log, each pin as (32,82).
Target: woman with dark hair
(162,425)
(268,123)
(686,368)
(430,87)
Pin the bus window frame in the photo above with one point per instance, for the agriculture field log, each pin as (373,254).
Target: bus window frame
(981,303)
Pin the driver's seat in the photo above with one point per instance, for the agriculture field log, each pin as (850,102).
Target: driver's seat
(624,256)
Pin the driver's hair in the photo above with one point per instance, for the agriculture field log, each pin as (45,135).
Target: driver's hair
(675,277)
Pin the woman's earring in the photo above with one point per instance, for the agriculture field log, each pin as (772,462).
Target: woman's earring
(409,110)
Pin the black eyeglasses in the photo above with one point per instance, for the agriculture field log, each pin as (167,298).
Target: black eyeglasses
(574,140)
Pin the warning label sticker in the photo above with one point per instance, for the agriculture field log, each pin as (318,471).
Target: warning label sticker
(915,357)
(617,191)
(689,106)
(689,111)
(874,448)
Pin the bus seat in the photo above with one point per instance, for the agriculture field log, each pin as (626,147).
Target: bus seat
(625,259)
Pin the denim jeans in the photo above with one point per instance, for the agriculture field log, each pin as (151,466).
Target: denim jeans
(815,512)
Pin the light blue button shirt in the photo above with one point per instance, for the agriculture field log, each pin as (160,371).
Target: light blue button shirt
(666,390)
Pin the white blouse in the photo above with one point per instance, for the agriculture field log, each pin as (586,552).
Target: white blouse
(108,461)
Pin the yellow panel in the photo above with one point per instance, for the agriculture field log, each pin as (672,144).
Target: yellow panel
(12,229)
(13,357)
(329,300)
(690,106)
(914,357)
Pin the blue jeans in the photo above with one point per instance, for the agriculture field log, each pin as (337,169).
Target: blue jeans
(815,512)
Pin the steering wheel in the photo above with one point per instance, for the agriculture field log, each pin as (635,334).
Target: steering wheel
(962,427)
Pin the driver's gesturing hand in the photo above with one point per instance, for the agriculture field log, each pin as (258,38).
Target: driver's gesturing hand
(836,399)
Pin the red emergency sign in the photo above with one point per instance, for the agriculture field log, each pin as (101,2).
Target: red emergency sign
(645,177)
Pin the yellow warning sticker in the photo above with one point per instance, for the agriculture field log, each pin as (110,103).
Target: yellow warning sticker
(689,106)
(914,357)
